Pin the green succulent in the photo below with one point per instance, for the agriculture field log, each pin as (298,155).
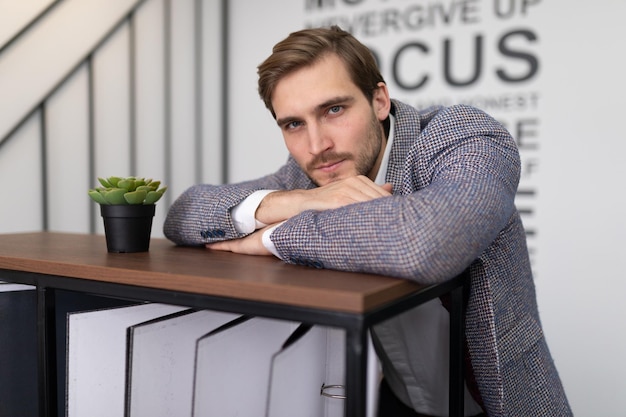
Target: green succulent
(126,191)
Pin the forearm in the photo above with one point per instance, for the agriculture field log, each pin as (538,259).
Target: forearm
(428,236)
(282,205)
(202,214)
(279,206)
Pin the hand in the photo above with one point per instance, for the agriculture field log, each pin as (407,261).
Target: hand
(282,205)
(248,245)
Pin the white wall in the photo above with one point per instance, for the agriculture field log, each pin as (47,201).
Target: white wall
(582,221)
(255,144)
(572,142)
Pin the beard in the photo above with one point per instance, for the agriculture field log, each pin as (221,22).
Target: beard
(364,160)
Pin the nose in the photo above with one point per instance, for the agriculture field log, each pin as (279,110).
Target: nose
(319,140)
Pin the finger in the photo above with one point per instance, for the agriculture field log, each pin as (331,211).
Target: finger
(371,189)
(225,245)
(367,182)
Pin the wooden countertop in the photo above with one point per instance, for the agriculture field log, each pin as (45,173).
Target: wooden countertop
(200,271)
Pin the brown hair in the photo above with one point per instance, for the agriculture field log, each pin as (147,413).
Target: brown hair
(306,47)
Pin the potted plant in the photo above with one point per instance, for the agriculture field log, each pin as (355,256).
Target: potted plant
(127,206)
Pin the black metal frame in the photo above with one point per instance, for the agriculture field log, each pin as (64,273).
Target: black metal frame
(356,326)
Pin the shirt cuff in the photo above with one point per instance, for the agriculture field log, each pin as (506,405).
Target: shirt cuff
(243,213)
(267,241)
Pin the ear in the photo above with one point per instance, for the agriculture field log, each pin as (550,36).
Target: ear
(381,102)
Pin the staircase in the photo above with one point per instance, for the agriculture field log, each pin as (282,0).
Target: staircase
(106,87)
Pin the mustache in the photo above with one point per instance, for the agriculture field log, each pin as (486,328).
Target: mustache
(328,157)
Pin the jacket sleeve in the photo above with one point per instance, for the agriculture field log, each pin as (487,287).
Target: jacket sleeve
(201,214)
(458,190)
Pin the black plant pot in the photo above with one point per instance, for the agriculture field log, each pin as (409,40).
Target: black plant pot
(127,227)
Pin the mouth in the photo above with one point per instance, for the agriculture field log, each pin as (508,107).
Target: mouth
(330,166)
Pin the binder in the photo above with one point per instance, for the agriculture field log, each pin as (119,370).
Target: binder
(299,371)
(161,359)
(308,375)
(233,367)
(65,302)
(18,351)
(96,357)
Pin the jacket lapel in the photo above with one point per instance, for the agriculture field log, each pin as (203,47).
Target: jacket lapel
(406,130)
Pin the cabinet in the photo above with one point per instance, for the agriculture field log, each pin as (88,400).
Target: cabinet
(57,264)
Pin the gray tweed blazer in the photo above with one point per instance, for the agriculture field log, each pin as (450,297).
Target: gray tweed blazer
(455,173)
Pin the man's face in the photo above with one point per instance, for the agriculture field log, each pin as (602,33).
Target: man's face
(329,126)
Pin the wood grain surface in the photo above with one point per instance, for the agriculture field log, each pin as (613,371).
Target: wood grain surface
(199,271)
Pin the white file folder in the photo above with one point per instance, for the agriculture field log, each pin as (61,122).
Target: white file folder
(233,367)
(308,375)
(161,359)
(10,287)
(299,371)
(96,357)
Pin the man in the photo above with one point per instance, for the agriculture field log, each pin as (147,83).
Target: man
(373,185)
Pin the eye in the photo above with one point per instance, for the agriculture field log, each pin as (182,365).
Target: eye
(292,125)
(335,110)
